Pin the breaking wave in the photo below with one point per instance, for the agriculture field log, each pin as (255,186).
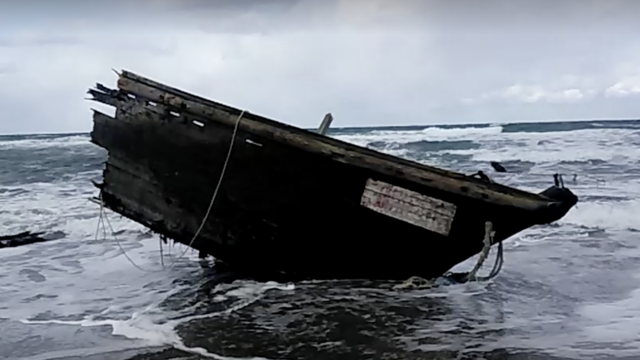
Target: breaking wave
(77,282)
(479,129)
(613,215)
(570,126)
(156,326)
(424,145)
(43,141)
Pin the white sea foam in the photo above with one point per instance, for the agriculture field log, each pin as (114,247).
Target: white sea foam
(59,142)
(92,283)
(616,322)
(596,331)
(155,327)
(613,145)
(93,280)
(428,134)
(620,215)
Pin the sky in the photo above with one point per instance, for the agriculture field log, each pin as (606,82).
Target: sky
(368,62)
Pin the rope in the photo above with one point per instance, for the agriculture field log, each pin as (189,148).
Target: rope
(497,265)
(215,192)
(487,241)
(102,218)
(203,222)
(416,282)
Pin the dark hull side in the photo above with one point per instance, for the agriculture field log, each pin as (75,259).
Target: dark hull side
(281,209)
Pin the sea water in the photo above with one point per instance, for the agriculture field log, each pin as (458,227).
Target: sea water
(570,290)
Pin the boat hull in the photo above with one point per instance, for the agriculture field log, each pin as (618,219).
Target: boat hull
(284,210)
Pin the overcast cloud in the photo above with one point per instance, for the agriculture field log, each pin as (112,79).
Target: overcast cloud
(369,62)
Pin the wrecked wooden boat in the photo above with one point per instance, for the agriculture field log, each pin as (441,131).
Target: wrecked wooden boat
(293,201)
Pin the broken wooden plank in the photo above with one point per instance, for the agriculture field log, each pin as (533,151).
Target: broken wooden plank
(102,97)
(406,205)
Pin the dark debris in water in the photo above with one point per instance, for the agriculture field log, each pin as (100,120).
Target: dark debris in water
(27,238)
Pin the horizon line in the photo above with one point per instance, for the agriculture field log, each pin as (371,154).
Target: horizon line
(379,126)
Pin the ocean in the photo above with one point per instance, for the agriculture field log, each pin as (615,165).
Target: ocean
(570,290)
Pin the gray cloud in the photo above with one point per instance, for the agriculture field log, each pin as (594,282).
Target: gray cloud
(369,62)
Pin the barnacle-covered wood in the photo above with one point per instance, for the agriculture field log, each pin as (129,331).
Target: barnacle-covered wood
(381,216)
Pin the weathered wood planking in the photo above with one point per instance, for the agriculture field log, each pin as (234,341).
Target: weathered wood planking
(446,181)
(406,205)
(166,151)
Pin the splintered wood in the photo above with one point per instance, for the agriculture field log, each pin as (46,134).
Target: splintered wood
(168,150)
(409,206)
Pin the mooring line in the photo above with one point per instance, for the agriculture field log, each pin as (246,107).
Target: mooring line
(417,282)
(487,242)
(103,215)
(497,266)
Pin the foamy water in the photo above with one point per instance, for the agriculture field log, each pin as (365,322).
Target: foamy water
(569,290)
